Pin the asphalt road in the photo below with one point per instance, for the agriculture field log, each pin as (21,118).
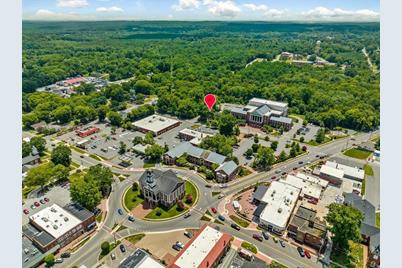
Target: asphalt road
(89,252)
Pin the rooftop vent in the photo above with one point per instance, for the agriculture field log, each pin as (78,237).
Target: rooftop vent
(279,210)
(55,227)
(65,219)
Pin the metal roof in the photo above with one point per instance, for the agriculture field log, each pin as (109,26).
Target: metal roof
(281,119)
(216,158)
(162,181)
(228,167)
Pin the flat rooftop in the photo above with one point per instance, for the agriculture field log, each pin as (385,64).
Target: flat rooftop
(331,171)
(354,172)
(258,102)
(155,123)
(281,199)
(55,220)
(139,259)
(307,187)
(205,246)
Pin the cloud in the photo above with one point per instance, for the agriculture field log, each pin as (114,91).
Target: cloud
(45,14)
(222,8)
(255,7)
(186,4)
(72,3)
(338,14)
(109,9)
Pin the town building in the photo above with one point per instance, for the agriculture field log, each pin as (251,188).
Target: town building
(140,259)
(259,112)
(193,136)
(335,172)
(156,124)
(55,227)
(311,187)
(87,131)
(140,148)
(276,206)
(307,229)
(83,144)
(32,159)
(161,187)
(205,249)
(202,157)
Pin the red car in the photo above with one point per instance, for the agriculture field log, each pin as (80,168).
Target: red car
(214,210)
(258,237)
(37,204)
(273,177)
(46,199)
(26,211)
(307,254)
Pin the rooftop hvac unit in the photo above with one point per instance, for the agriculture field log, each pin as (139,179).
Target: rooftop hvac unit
(55,227)
(65,219)
(45,219)
(279,210)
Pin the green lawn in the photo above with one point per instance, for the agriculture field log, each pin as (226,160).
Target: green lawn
(149,165)
(377,219)
(132,198)
(94,156)
(122,227)
(275,264)
(215,193)
(364,186)
(249,247)
(112,246)
(135,238)
(357,153)
(99,217)
(368,170)
(239,221)
(205,218)
(174,210)
(314,143)
(353,259)
(77,149)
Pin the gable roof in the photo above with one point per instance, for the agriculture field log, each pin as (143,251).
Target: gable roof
(163,181)
(215,158)
(228,167)
(262,110)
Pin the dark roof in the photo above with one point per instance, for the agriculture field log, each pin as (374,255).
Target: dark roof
(33,233)
(364,206)
(78,211)
(260,192)
(306,213)
(216,158)
(135,259)
(160,181)
(375,243)
(257,212)
(369,230)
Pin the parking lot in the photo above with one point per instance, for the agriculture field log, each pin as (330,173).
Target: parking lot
(57,195)
(118,255)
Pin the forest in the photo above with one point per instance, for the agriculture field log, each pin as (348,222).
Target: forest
(182,61)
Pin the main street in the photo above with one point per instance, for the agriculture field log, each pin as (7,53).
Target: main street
(89,252)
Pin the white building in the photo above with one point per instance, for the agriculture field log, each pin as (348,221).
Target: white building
(156,124)
(280,200)
(311,187)
(335,173)
(193,136)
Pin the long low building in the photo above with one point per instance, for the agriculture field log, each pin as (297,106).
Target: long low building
(140,259)
(276,206)
(335,172)
(193,136)
(204,250)
(156,124)
(311,187)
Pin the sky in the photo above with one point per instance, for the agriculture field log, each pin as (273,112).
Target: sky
(261,10)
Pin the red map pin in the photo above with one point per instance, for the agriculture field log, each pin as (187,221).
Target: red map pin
(210,100)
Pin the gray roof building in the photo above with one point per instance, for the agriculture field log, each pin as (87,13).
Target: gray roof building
(281,119)
(32,157)
(165,182)
(228,167)
(262,110)
(140,259)
(260,192)
(216,158)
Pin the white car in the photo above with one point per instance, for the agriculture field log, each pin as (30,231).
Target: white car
(179,244)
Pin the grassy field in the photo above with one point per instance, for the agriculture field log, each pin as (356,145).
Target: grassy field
(239,221)
(363,186)
(132,198)
(205,218)
(149,165)
(174,210)
(368,170)
(357,153)
(314,143)
(275,264)
(249,247)
(215,193)
(77,149)
(94,156)
(377,219)
(135,238)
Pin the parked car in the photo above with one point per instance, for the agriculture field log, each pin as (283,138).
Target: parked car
(42,201)
(208,185)
(131,218)
(235,226)
(36,204)
(58,260)
(214,210)
(301,251)
(258,237)
(275,239)
(265,235)
(294,168)
(188,234)
(26,211)
(317,155)
(176,247)
(300,162)
(278,171)
(307,254)
(282,243)
(283,173)
(46,199)
(122,248)
(33,206)
(180,244)
(112,256)
(120,211)
(81,156)
(187,215)
(221,218)
(220,196)
(65,255)
(273,177)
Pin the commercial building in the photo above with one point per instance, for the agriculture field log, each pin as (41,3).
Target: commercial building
(306,228)
(276,206)
(193,136)
(204,250)
(83,143)
(156,124)
(311,187)
(140,259)
(161,187)
(201,157)
(55,226)
(87,131)
(335,173)
(259,112)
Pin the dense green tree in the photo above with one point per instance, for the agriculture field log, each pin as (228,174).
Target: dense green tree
(39,143)
(49,260)
(62,114)
(85,191)
(143,86)
(219,143)
(114,118)
(61,155)
(122,148)
(227,124)
(102,112)
(320,136)
(154,152)
(282,156)
(149,138)
(26,148)
(105,247)
(264,158)
(274,145)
